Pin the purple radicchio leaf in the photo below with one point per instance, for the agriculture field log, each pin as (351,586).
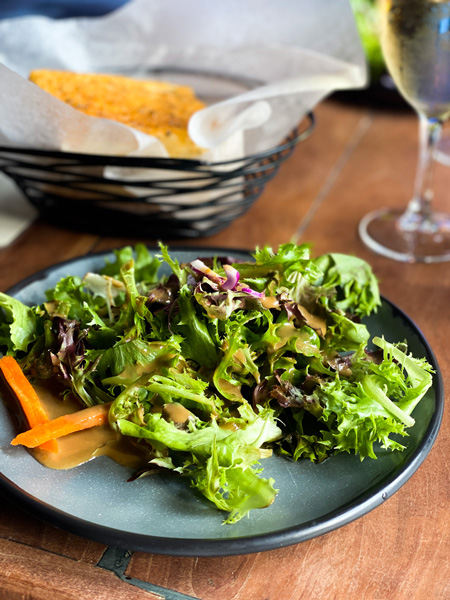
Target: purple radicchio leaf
(71,346)
(289,396)
(199,266)
(232,277)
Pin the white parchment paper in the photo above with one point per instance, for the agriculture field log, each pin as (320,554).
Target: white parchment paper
(285,56)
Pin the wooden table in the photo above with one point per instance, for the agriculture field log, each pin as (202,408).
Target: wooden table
(358,158)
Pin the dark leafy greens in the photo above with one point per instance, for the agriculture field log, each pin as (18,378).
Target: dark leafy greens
(219,364)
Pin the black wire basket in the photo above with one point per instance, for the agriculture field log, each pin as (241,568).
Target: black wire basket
(150,197)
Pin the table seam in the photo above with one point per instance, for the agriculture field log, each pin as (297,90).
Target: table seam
(361,129)
(117,560)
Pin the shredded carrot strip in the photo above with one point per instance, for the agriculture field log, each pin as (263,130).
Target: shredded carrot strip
(26,395)
(61,426)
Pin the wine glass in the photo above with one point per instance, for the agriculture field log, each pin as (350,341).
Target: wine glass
(415,39)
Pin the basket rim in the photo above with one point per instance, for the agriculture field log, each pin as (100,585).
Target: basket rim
(293,138)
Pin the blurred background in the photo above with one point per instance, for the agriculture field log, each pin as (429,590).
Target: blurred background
(58,9)
(381,90)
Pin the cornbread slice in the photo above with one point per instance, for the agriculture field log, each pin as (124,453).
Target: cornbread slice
(157,108)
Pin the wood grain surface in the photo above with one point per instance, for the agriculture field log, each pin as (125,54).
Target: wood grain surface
(358,158)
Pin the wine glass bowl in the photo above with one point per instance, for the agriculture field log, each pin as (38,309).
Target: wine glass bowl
(415,39)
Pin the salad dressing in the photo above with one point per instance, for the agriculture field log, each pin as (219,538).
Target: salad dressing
(228,389)
(270,302)
(288,331)
(284,332)
(82,446)
(137,370)
(153,366)
(313,321)
(229,426)
(176,412)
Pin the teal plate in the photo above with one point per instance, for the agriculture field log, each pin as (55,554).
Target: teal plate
(161,514)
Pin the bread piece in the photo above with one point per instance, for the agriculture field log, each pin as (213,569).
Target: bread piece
(158,108)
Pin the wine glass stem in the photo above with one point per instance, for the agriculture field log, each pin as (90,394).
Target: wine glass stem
(419,212)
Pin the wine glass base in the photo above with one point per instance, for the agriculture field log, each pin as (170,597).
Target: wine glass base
(383,232)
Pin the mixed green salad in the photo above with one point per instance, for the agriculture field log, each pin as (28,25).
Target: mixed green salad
(221,363)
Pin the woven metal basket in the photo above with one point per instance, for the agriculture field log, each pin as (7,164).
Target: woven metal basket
(151,197)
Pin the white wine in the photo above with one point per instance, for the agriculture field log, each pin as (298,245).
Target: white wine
(415,37)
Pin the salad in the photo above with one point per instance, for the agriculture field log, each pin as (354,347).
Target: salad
(220,364)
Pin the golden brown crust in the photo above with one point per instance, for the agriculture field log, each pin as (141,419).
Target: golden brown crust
(158,108)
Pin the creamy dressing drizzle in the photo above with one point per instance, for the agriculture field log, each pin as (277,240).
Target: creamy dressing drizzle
(269,302)
(82,446)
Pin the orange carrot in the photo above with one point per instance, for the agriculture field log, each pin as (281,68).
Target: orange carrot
(27,396)
(61,426)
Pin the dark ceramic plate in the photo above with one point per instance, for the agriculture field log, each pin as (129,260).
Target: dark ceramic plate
(163,515)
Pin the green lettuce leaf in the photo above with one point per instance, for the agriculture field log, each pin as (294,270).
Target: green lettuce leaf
(198,344)
(18,328)
(146,265)
(354,281)
(219,461)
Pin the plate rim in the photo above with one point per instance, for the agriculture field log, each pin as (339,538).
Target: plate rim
(172,546)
